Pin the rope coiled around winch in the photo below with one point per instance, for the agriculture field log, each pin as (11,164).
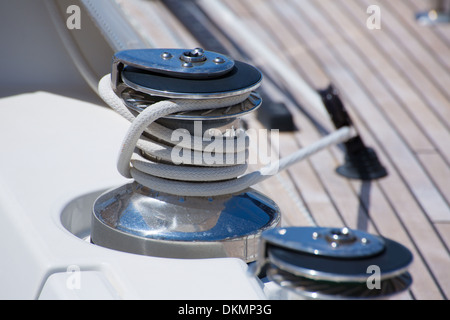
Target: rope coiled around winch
(189,180)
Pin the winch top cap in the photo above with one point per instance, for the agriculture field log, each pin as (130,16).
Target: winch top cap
(183,73)
(331,242)
(181,63)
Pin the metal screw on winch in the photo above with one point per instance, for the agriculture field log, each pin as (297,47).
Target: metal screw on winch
(195,55)
(219,60)
(166,55)
(187,65)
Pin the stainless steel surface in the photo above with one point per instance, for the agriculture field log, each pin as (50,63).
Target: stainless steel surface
(333,263)
(135,219)
(313,289)
(221,91)
(166,55)
(329,270)
(194,56)
(182,73)
(197,63)
(309,252)
(331,242)
(138,102)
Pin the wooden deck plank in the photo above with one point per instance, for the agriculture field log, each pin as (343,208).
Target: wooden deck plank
(444,232)
(369,76)
(405,161)
(351,86)
(428,80)
(416,51)
(253,23)
(272,27)
(438,170)
(402,80)
(441,263)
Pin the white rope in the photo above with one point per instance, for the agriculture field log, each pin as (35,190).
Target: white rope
(187,180)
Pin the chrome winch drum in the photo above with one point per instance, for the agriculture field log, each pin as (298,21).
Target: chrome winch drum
(138,219)
(334,263)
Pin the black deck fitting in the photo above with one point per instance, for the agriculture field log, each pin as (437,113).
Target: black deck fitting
(275,115)
(361,162)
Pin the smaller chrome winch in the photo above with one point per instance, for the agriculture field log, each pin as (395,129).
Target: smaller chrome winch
(334,263)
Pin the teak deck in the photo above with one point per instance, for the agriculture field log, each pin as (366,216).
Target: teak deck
(395,83)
